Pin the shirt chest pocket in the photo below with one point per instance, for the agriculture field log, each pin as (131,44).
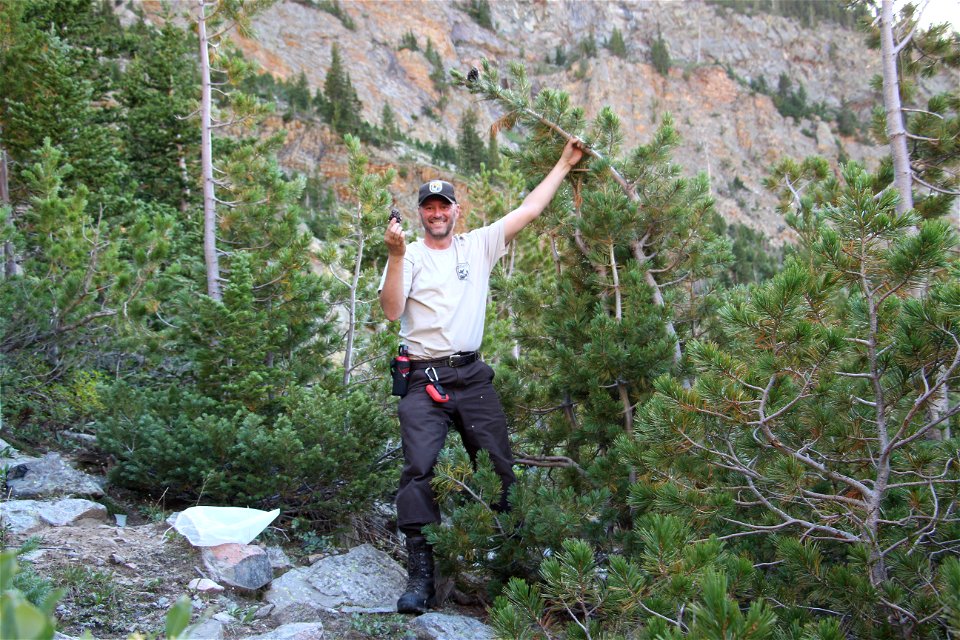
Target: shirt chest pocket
(436,282)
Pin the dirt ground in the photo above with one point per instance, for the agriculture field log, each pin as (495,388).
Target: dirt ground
(119,581)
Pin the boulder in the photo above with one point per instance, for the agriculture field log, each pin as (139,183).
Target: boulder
(20,516)
(442,626)
(10,457)
(363,580)
(297,612)
(243,566)
(69,510)
(296,631)
(26,516)
(278,559)
(50,476)
(208,629)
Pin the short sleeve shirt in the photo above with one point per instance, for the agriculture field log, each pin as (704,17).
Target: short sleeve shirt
(446,292)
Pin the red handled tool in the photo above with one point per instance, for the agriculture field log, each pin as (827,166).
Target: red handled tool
(435,389)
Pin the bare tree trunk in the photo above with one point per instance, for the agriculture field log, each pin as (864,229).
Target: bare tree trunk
(896,131)
(184,180)
(352,319)
(210,256)
(9,257)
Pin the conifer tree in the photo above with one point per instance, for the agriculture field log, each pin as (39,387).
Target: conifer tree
(924,159)
(341,107)
(616,44)
(623,243)
(360,220)
(158,92)
(660,55)
(808,413)
(471,152)
(388,122)
(63,101)
(214,19)
(78,285)
(298,93)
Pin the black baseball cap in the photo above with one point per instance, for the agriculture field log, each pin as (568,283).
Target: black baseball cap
(440,188)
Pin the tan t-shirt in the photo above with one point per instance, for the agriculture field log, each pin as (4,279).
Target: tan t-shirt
(443,313)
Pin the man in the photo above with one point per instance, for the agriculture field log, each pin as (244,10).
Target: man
(438,287)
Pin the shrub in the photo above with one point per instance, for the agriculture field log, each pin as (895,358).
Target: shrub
(320,453)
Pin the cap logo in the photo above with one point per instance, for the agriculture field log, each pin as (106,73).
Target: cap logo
(436,186)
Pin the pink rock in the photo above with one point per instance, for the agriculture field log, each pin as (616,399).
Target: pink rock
(243,566)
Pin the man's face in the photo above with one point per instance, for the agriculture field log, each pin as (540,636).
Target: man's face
(438,217)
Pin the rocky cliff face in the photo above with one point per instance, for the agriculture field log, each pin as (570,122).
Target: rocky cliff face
(730,132)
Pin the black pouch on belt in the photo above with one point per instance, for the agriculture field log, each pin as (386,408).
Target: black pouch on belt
(400,371)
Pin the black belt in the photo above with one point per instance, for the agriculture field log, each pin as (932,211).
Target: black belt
(459,359)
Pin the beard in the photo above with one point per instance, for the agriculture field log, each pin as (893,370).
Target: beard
(442,232)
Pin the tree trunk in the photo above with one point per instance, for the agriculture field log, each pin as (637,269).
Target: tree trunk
(896,131)
(354,285)
(210,256)
(9,257)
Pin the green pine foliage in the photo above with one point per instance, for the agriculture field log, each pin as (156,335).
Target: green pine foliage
(340,107)
(437,73)
(479,10)
(314,455)
(355,262)
(83,281)
(932,127)
(808,416)
(65,100)
(471,151)
(809,14)
(239,401)
(593,326)
(334,8)
(409,41)
(616,44)
(790,102)
(157,92)
(660,55)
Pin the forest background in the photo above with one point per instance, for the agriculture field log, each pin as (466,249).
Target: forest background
(719,434)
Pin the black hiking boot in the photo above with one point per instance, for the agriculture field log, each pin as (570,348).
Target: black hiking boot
(420,590)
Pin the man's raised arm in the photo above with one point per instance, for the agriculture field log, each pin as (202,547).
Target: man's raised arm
(538,199)
(392,299)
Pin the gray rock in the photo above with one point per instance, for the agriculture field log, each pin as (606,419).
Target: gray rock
(86,439)
(362,580)
(10,457)
(50,476)
(297,612)
(69,510)
(278,559)
(26,516)
(296,631)
(441,626)
(20,516)
(208,629)
(243,566)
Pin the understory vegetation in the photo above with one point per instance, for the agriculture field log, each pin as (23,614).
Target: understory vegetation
(714,439)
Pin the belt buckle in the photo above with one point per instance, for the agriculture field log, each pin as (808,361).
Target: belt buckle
(454,360)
